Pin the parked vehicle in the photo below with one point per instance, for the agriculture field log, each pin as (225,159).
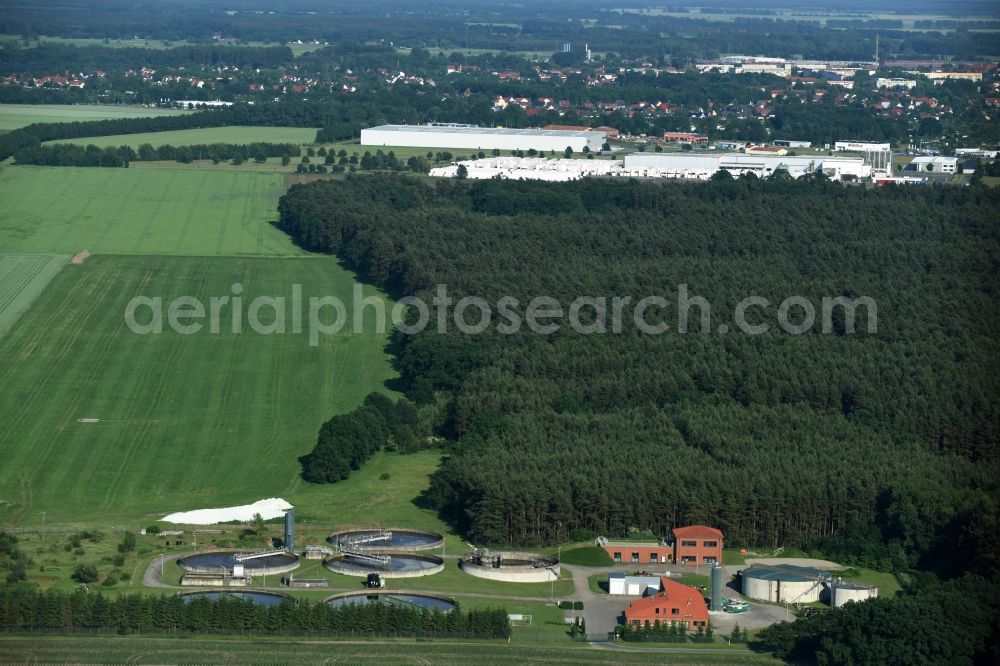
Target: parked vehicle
(734,606)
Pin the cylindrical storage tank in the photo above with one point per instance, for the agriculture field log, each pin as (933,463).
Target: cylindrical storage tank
(717,587)
(783,583)
(842,592)
(290,530)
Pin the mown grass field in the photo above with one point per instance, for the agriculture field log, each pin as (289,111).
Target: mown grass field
(14,116)
(234,134)
(257,650)
(183,421)
(130,211)
(22,278)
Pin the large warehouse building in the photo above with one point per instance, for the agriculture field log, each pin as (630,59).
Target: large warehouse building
(472,137)
(701,166)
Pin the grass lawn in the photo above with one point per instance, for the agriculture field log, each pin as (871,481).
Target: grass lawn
(888,585)
(131,211)
(22,279)
(598,583)
(14,116)
(184,421)
(241,650)
(234,134)
(694,580)
(587,556)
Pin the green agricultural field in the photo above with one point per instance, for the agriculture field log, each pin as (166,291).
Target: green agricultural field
(297,49)
(22,279)
(133,211)
(233,134)
(222,650)
(102,425)
(14,116)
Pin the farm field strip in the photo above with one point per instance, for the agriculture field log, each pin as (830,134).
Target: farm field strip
(14,116)
(206,135)
(126,211)
(22,279)
(182,421)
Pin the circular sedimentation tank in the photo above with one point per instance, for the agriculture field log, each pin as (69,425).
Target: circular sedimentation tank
(430,602)
(378,540)
(214,560)
(511,567)
(399,564)
(258,598)
(784,583)
(844,591)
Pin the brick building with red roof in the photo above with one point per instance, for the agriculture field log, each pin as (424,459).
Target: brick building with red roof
(695,545)
(673,603)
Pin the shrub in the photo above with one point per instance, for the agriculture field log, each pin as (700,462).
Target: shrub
(84,573)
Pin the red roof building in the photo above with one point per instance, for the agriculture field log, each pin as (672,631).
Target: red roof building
(673,603)
(697,544)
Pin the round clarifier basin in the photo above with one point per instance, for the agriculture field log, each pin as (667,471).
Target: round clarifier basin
(258,598)
(514,567)
(401,565)
(213,561)
(421,601)
(401,540)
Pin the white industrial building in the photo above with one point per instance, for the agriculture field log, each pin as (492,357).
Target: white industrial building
(861,146)
(690,166)
(932,164)
(896,83)
(530,168)
(699,166)
(472,137)
(619,583)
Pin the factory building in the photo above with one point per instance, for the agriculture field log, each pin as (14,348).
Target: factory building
(932,164)
(694,545)
(530,168)
(698,166)
(673,603)
(472,137)
(861,146)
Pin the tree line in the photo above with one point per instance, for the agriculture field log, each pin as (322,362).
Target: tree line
(773,438)
(346,441)
(69,154)
(27,609)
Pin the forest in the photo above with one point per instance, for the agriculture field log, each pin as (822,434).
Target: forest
(774,438)
(29,609)
(954,622)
